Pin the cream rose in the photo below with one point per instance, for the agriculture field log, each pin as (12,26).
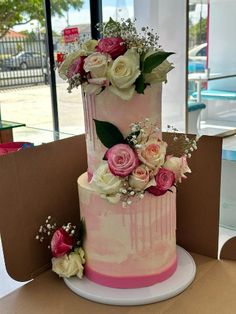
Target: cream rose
(97,64)
(139,180)
(106,184)
(68,265)
(123,73)
(90,45)
(178,165)
(159,74)
(152,153)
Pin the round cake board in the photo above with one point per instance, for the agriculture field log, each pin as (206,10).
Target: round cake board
(169,288)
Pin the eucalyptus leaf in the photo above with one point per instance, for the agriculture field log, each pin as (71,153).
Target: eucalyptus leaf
(155,59)
(108,133)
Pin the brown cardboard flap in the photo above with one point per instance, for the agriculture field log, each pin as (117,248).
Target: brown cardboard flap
(198,199)
(35,183)
(42,181)
(228,250)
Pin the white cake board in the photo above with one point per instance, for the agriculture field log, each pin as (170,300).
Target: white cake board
(169,288)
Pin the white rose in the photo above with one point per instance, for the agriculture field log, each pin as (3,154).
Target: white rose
(158,74)
(178,165)
(89,45)
(152,153)
(106,184)
(123,73)
(97,64)
(68,265)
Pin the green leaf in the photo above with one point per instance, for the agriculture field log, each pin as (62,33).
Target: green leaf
(154,60)
(139,84)
(108,133)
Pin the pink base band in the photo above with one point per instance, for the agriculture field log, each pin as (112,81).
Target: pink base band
(129,282)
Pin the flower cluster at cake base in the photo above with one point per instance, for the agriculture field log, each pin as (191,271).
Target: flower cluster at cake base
(66,247)
(124,61)
(139,163)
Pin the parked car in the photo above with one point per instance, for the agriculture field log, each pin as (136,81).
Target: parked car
(24,60)
(198,53)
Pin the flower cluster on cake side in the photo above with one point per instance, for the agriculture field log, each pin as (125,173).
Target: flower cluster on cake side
(139,163)
(124,61)
(66,247)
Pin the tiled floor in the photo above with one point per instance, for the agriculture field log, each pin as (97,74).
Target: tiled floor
(7,284)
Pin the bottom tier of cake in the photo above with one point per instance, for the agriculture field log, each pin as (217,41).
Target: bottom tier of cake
(128,247)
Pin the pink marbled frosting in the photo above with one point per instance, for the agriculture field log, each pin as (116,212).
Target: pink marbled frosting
(128,245)
(108,107)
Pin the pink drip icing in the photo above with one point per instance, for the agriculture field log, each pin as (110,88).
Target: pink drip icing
(123,218)
(156,216)
(143,230)
(131,228)
(161,218)
(170,225)
(135,230)
(166,220)
(129,282)
(93,126)
(150,224)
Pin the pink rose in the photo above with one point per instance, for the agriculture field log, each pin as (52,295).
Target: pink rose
(61,243)
(121,160)
(76,67)
(164,181)
(114,46)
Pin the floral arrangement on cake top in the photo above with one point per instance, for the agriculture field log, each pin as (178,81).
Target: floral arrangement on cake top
(139,163)
(66,247)
(123,61)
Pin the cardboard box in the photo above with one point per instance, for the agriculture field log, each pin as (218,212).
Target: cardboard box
(42,181)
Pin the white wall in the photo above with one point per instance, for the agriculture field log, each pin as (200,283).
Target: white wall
(168,17)
(222,43)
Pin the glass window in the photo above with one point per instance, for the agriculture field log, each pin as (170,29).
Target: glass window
(211,66)
(25,93)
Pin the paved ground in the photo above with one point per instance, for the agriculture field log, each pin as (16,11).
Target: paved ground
(32,105)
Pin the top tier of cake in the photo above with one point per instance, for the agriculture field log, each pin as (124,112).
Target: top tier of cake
(108,107)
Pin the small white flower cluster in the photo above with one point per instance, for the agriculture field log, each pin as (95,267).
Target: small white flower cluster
(127,194)
(141,132)
(69,229)
(46,229)
(188,145)
(192,145)
(142,41)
